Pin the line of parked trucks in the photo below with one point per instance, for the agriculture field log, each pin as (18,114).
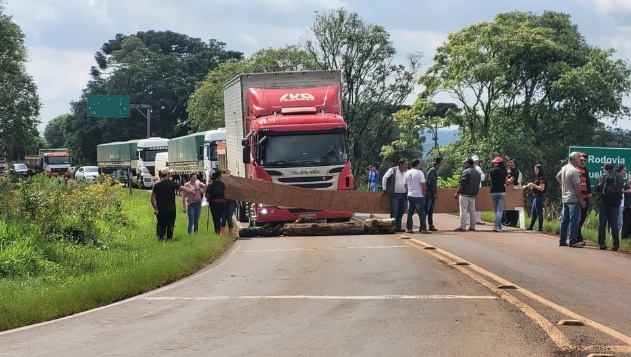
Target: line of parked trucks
(281,127)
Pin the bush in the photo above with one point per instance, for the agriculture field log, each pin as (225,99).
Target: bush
(41,210)
(66,247)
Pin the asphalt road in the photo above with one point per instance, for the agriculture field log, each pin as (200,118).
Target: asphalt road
(364,296)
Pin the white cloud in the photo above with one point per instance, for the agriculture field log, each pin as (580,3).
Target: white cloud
(611,6)
(60,76)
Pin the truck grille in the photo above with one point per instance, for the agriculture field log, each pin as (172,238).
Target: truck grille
(58,169)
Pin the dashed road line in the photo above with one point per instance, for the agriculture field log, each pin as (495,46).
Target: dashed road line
(553,332)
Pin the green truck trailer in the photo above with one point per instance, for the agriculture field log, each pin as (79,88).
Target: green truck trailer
(195,153)
(116,158)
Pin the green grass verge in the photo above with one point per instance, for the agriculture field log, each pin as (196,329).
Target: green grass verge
(590,228)
(128,262)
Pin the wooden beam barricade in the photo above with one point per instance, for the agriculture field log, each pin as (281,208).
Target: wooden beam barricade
(246,190)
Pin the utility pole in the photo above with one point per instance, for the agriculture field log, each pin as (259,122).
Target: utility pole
(148,116)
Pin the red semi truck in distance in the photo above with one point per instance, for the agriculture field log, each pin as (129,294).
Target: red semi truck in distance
(287,128)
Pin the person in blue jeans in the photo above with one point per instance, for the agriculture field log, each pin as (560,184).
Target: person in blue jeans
(393,184)
(192,202)
(499,178)
(539,197)
(416,187)
(573,200)
(373,179)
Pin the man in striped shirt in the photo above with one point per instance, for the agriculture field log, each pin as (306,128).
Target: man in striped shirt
(586,192)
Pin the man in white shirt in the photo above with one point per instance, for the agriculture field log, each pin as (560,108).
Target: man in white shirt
(393,184)
(478,169)
(416,186)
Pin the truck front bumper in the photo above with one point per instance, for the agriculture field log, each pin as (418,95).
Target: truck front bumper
(272,214)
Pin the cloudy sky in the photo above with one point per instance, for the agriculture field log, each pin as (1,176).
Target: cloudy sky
(62,35)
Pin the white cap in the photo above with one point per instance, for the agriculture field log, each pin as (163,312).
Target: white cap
(475,158)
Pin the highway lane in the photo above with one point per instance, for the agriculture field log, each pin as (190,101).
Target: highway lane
(591,283)
(302,296)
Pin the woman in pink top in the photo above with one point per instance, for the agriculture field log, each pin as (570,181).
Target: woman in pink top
(192,202)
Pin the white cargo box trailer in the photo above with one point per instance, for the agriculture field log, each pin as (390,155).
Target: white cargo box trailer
(235,108)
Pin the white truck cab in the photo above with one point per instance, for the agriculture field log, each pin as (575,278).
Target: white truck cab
(211,138)
(146,163)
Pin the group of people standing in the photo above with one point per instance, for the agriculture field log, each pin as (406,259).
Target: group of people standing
(613,199)
(499,177)
(163,201)
(410,191)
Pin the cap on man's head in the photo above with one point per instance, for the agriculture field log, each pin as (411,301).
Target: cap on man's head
(438,160)
(497,159)
(582,154)
(475,158)
(469,160)
(164,171)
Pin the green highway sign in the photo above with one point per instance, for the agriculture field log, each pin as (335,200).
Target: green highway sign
(116,106)
(598,156)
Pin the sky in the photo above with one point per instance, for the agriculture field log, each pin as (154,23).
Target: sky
(63,35)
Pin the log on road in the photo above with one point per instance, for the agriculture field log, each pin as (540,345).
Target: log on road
(324,229)
(380,226)
(263,231)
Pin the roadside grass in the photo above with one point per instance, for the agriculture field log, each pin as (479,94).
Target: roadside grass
(44,277)
(590,228)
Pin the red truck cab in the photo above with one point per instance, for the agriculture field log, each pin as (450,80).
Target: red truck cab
(297,137)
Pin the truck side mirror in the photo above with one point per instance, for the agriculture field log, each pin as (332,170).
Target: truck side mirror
(246,150)
(357,147)
(246,154)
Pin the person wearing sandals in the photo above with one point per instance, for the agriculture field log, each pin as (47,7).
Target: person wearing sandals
(467,191)
(499,178)
(217,201)
(539,196)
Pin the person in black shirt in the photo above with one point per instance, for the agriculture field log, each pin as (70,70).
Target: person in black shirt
(163,202)
(498,177)
(217,201)
(539,197)
(431,193)
(511,217)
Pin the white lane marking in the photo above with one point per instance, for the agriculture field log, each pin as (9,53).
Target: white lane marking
(324,297)
(323,248)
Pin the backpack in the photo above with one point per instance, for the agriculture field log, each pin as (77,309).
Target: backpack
(611,191)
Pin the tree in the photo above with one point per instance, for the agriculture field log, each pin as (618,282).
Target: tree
(373,86)
(530,86)
(205,106)
(158,68)
(19,101)
(54,133)
(532,67)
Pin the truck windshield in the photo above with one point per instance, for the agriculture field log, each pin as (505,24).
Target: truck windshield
(305,150)
(149,155)
(3,159)
(212,151)
(58,160)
